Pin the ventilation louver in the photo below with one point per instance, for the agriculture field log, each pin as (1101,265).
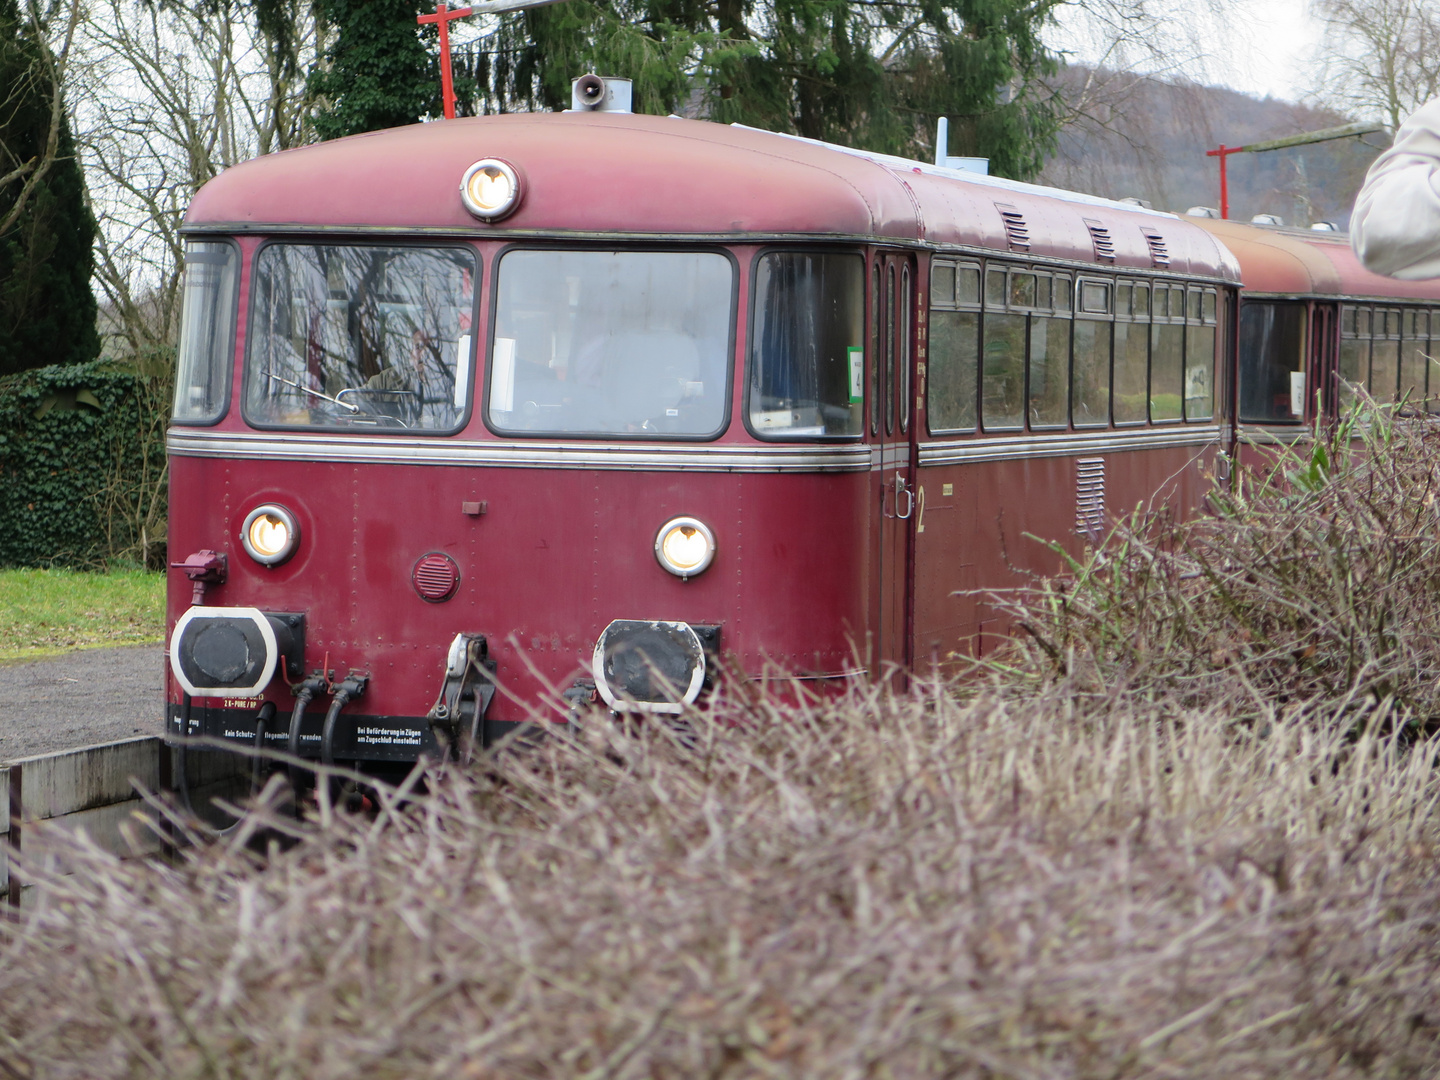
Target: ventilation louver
(1089,496)
(1104,246)
(1159,253)
(1015,227)
(435,577)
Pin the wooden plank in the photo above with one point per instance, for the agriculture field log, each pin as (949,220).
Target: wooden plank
(59,784)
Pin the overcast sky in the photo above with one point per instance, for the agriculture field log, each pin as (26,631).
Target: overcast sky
(1256,46)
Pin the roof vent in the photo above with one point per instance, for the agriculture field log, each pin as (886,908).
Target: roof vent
(1015,227)
(1203,211)
(1324,226)
(1159,253)
(1104,246)
(597,93)
(1267,219)
(1133,200)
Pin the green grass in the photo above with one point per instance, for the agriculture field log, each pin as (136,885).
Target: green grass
(43,612)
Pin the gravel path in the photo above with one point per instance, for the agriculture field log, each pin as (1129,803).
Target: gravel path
(80,698)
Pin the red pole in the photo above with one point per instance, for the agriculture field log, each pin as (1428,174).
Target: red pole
(442,16)
(1222,154)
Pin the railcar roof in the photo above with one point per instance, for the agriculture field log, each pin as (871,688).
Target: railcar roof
(1299,262)
(598,174)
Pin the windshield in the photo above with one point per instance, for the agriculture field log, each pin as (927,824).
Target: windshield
(369,338)
(633,343)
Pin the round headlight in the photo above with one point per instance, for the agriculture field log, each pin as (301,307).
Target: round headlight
(490,189)
(270,534)
(685,546)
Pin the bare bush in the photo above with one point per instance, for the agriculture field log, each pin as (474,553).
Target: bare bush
(864,887)
(1314,584)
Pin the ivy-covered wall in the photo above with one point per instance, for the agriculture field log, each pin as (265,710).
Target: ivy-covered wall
(82,465)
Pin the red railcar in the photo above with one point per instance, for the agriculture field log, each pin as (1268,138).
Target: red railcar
(582,401)
(1314,326)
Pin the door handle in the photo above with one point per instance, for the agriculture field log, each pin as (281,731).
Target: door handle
(901,488)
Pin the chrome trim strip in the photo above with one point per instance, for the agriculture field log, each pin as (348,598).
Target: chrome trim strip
(710,457)
(1065,444)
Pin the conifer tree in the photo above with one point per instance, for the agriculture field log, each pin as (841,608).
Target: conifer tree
(378,73)
(47,232)
(873,74)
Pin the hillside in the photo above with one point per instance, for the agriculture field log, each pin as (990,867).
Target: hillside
(1148,139)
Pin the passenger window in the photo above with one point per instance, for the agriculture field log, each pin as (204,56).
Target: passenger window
(1003,407)
(969,285)
(1167,366)
(1413,351)
(877,318)
(806,356)
(1062,293)
(902,347)
(942,284)
(995,288)
(1132,354)
(1049,370)
(1385,356)
(954,358)
(1354,352)
(1022,290)
(1090,379)
(1272,362)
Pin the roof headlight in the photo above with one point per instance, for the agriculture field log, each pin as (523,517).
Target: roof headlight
(685,546)
(270,534)
(490,189)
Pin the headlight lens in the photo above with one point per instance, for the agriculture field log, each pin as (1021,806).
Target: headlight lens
(685,546)
(490,189)
(270,534)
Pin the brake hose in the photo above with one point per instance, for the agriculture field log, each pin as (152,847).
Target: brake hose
(304,694)
(262,720)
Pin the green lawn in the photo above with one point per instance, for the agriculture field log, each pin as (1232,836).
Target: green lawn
(50,611)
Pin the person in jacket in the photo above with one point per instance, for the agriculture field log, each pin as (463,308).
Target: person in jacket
(1395,229)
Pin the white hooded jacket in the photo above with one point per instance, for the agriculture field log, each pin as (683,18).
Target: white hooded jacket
(1395,229)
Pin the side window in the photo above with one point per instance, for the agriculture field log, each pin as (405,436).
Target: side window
(1385,355)
(1354,351)
(1200,355)
(1414,346)
(1003,363)
(1167,351)
(1272,362)
(1132,352)
(902,347)
(887,370)
(207,332)
(954,347)
(1090,374)
(877,317)
(1049,361)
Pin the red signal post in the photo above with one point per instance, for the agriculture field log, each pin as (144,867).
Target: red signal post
(442,16)
(1222,154)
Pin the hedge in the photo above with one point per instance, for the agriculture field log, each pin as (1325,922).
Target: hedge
(82,464)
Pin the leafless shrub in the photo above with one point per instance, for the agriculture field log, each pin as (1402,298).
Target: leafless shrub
(1312,587)
(866,886)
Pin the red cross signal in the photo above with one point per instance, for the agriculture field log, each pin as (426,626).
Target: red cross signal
(443,15)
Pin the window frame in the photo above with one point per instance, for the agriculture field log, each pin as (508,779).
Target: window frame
(463,417)
(492,307)
(958,263)
(1111,283)
(242,286)
(866,257)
